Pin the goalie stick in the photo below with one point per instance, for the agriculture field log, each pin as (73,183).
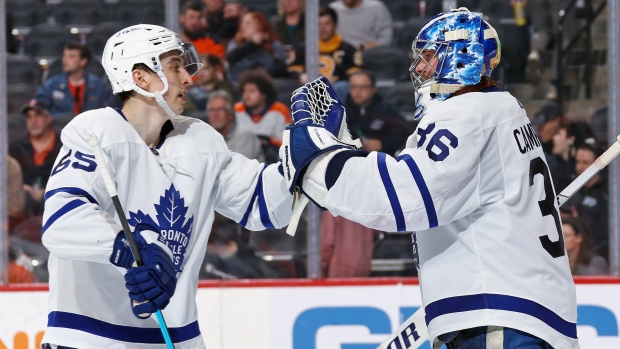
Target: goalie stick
(413,332)
(109,184)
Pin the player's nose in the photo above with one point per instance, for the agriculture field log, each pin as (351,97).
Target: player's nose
(186,79)
(420,67)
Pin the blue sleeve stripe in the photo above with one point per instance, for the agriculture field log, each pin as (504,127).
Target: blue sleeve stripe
(128,334)
(391,193)
(72,191)
(63,210)
(426,194)
(262,206)
(500,302)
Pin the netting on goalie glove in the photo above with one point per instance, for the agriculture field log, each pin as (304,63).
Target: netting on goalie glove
(319,101)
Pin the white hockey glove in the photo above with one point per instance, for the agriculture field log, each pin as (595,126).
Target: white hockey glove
(318,133)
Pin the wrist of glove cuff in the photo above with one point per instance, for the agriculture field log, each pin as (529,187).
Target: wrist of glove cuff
(301,145)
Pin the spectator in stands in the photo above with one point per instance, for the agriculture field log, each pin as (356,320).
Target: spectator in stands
(239,138)
(364,23)
(36,154)
(193,29)
(546,122)
(260,111)
(337,57)
(598,124)
(592,203)
(229,257)
(376,121)
(568,135)
(346,247)
(222,19)
(211,77)
(255,45)
(289,23)
(563,152)
(581,256)
(16,197)
(20,266)
(74,90)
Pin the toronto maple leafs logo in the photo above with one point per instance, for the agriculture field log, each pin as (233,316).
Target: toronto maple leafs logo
(174,230)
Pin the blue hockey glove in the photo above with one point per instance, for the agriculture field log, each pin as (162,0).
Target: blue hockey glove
(318,132)
(143,234)
(152,285)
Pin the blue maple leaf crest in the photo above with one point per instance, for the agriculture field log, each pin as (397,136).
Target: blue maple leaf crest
(174,230)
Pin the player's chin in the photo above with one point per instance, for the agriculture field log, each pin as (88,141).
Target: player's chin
(179,105)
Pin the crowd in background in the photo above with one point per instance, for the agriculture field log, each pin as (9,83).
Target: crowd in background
(251,63)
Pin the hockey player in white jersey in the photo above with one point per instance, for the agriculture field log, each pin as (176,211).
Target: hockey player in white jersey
(472,183)
(171,172)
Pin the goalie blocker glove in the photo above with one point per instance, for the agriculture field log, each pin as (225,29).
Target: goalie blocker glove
(315,147)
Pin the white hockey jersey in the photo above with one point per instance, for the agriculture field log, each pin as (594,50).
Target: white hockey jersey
(177,190)
(474,185)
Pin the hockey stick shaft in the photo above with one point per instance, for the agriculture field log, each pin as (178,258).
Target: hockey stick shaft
(416,324)
(111,188)
(586,176)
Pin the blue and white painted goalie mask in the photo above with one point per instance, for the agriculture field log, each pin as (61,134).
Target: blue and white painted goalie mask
(452,50)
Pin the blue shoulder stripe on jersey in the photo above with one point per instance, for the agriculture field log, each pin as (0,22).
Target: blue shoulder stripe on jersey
(426,194)
(262,205)
(118,332)
(500,302)
(391,193)
(72,191)
(70,206)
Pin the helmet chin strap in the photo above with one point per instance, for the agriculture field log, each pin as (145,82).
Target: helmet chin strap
(159,95)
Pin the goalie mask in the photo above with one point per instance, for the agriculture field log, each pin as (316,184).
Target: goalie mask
(145,43)
(452,50)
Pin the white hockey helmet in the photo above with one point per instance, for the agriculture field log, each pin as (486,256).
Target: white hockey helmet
(144,43)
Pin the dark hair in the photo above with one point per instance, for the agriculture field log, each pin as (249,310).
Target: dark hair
(262,80)
(594,148)
(328,11)
(216,62)
(84,51)
(586,250)
(125,95)
(582,132)
(367,73)
(485,82)
(191,5)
